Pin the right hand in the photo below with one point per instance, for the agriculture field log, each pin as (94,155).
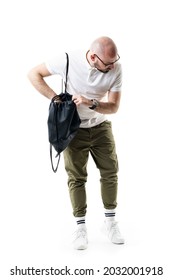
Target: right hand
(56,99)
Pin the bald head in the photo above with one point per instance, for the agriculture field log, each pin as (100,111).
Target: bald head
(104,46)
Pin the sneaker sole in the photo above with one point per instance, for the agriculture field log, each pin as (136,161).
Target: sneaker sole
(80,247)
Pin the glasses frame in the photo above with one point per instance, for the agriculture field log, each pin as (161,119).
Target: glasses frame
(107,64)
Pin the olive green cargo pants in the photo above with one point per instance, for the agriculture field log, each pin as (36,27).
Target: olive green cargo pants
(99,142)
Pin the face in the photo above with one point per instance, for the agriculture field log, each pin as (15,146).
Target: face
(103,66)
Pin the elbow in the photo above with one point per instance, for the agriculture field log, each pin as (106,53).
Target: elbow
(114,108)
(30,75)
(33,75)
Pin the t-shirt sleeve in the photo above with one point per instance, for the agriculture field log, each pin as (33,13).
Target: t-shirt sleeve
(57,65)
(117,83)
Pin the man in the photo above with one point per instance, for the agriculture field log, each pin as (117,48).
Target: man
(94,80)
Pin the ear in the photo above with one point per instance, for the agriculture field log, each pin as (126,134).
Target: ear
(92,56)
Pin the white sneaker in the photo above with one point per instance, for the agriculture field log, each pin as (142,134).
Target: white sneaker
(113,232)
(80,238)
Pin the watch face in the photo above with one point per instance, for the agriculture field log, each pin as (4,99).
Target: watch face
(95,104)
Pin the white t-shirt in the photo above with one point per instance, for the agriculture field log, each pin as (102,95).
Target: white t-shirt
(86,81)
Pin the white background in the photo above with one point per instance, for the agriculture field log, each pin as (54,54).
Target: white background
(36,215)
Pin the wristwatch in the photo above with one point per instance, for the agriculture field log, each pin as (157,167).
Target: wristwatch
(95,104)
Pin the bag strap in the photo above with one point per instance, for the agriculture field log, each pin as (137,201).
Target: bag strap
(51,157)
(67,69)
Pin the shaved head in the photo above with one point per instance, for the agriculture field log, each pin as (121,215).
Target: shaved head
(104,46)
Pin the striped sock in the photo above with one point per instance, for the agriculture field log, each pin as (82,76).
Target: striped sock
(80,221)
(110,214)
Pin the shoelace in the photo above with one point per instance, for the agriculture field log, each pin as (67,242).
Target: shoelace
(115,229)
(80,233)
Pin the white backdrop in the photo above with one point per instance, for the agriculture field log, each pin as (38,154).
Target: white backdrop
(36,215)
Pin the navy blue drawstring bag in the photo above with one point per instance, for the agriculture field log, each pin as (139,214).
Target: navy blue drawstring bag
(63,122)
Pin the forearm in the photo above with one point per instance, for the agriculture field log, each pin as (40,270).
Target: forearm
(102,108)
(107,108)
(40,85)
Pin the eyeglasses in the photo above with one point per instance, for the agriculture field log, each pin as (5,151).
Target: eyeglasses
(107,64)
